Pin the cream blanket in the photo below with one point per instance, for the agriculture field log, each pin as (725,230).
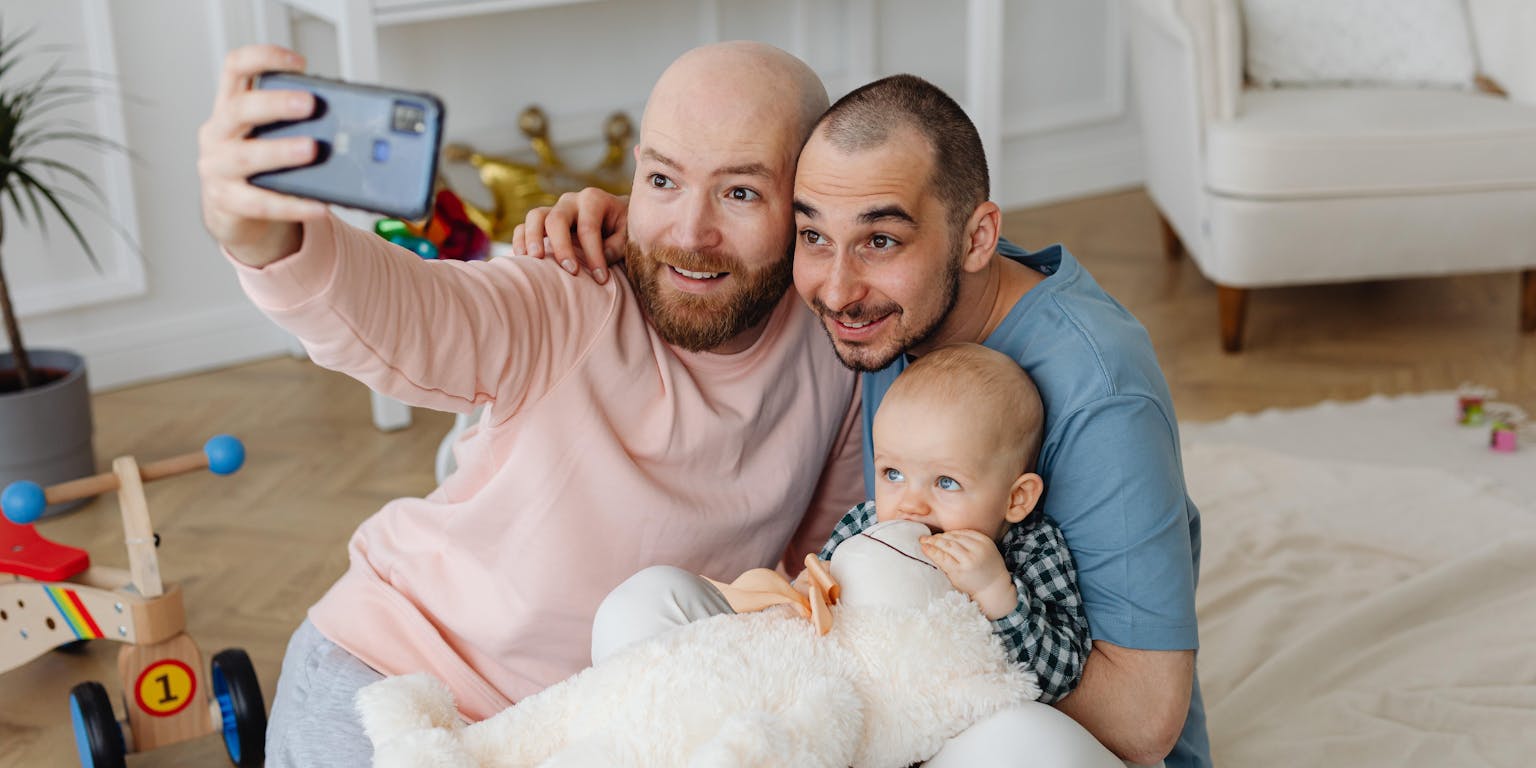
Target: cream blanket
(908,663)
(1356,615)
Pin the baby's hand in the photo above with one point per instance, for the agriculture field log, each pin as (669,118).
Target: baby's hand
(974,566)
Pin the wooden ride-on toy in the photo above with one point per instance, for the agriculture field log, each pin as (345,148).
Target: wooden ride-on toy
(51,596)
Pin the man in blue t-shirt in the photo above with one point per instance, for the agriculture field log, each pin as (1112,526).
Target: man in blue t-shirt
(897,250)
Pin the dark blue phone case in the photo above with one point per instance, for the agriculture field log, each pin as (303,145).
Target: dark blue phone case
(378,147)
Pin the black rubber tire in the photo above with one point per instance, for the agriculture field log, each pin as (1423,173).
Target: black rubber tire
(235,686)
(97,734)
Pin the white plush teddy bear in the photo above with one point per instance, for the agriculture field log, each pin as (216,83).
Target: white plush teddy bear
(908,663)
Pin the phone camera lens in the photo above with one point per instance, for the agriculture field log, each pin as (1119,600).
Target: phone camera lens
(408,118)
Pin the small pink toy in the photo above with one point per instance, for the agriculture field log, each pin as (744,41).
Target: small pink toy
(1506,420)
(1503,437)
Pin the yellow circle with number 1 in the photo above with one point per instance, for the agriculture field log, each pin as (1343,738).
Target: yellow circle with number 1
(165,688)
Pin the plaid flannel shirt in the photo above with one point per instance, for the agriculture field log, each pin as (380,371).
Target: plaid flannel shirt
(1047,632)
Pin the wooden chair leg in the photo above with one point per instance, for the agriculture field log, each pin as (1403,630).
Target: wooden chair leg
(1233,303)
(1528,300)
(1173,247)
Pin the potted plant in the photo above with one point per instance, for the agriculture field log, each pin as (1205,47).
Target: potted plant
(45,404)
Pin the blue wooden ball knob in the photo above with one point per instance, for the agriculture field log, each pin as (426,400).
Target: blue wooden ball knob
(24,502)
(225,454)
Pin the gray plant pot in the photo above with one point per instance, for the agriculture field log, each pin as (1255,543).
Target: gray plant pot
(45,432)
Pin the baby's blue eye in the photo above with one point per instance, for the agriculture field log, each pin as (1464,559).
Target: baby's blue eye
(948,483)
(894,475)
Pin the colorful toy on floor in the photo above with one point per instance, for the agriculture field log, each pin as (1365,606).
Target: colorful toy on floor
(450,228)
(447,234)
(1471,410)
(1507,420)
(51,596)
(402,234)
(1503,437)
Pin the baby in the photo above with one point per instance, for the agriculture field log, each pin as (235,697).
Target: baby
(955,443)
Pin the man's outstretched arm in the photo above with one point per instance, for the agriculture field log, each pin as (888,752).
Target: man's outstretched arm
(446,335)
(586,229)
(1134,702)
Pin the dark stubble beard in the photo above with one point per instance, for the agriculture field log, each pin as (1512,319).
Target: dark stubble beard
(703,322)
(866,359)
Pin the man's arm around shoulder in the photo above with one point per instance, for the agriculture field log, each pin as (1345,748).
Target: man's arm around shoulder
(1134,549)
(1134,702)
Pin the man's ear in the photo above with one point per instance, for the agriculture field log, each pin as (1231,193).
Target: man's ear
(982,231)
(1023,497)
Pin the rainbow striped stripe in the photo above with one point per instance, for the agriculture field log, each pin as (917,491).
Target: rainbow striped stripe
(74,613)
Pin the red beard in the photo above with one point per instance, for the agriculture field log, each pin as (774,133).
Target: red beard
(702,322)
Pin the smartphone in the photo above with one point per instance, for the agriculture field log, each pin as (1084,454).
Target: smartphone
(377,147)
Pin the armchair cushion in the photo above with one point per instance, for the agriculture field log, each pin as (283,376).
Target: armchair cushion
(1336,42)
(1333,142)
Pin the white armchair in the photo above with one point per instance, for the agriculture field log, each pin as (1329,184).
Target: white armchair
(1269,187)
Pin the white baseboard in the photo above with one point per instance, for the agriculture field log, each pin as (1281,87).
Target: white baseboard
(176,346)
(1093,168)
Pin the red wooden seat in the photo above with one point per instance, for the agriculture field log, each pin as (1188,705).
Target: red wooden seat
(24,552)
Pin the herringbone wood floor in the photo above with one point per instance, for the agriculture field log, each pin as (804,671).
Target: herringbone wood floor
(254,550)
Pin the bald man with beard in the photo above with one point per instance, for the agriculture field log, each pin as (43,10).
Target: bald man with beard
(688,410)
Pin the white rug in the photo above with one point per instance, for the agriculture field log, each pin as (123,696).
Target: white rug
(1368,587)
(1408,431)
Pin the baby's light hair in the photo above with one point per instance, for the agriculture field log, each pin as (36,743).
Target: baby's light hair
(980,381)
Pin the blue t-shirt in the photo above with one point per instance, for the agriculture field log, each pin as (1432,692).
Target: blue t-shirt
(1114,477)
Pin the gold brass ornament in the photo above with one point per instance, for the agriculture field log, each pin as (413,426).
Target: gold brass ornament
(518,187)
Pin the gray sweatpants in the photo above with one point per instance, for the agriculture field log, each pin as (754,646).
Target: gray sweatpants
(313,723)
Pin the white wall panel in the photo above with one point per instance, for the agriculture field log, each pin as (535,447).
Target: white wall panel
(924,38)
(1063,66)
(48,268)
(189,313)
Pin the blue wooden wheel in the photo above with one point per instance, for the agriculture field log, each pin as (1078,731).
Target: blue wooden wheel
(241,707)
(98,737)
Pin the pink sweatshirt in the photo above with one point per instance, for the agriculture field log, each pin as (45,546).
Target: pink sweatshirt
(603,450)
